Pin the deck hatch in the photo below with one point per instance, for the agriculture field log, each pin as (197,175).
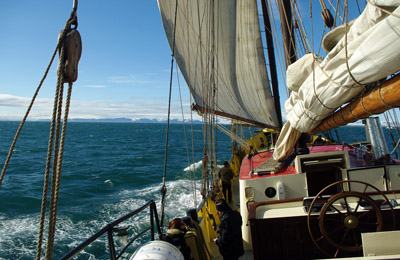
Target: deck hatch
(339,158)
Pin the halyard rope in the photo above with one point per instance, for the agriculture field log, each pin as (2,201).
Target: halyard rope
(58,147)
(55,175)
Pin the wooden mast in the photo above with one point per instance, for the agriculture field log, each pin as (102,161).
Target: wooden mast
(285,14)
(272,63)
(376,101)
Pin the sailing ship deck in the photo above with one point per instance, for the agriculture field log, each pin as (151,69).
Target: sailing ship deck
(257,162)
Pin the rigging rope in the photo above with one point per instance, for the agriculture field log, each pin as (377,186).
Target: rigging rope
(57,176)
(11,150)
(70,51)
(194,173)
(395,122)
(279,50)
(233,136)
(191,170)
(164,187)
(71,21)
(383,10)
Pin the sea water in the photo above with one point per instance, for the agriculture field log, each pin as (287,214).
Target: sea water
(108,170)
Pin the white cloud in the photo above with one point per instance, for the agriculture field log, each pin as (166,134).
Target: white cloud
(13,101)
(14,108)
(7,100)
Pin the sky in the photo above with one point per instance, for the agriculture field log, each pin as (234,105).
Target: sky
(124,70)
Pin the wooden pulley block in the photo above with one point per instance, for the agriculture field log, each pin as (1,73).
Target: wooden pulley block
(328,18)
(73,51)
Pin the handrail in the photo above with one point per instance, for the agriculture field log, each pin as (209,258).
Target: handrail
(110,228)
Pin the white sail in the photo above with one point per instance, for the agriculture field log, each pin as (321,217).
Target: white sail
(219,51)
(320,86)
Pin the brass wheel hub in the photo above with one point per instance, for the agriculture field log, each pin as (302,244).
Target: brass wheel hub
(351,222)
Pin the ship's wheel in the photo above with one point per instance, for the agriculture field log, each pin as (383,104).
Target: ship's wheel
(343,218)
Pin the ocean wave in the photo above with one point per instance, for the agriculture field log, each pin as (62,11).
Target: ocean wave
(194,166)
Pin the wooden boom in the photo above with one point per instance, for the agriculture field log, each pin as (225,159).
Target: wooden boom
(375,101)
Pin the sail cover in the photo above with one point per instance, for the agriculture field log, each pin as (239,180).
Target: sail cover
(319,86)
(219,51)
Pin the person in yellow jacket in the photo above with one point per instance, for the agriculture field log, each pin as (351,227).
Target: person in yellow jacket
(226,176)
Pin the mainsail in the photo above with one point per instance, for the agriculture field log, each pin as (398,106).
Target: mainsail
(359,53)
(218,48)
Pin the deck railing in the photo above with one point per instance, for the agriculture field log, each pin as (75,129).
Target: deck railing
(112,227)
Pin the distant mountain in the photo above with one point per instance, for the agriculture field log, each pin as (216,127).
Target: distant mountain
(128,120)
(163,121)
(146,120)
(121,120)
(104,120)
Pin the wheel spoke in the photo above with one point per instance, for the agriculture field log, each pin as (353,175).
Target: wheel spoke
(335,220)
(355,237)
(358,204)
(347,205)
(337,210)
(369,223)
(344,236)
(364,214)
(369,226)
(334,230)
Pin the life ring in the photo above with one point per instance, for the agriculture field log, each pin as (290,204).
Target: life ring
(157,250)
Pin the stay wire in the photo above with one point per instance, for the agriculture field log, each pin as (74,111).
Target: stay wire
(186,141)
(192,136)
(164,187)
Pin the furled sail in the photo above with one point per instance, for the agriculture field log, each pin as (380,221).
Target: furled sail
(368,52)
(219,51)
